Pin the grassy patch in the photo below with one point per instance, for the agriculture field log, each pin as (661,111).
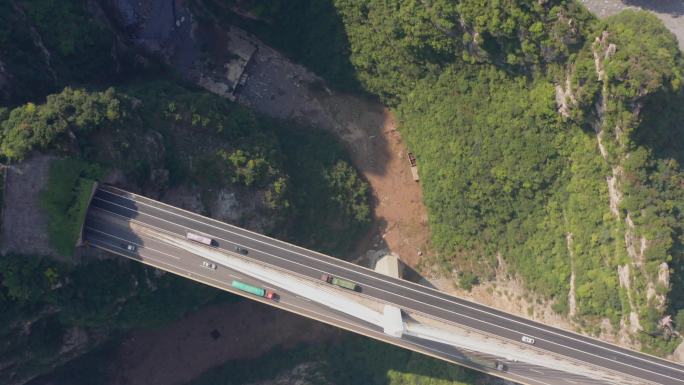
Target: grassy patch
(66,201)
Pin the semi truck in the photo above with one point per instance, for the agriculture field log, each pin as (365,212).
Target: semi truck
(343,283)
(199,238)
(258,291)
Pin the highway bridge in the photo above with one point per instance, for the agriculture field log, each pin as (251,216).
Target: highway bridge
(431,322)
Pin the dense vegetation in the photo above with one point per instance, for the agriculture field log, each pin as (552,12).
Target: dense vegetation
(56,122)
(505,172)
(640,125)
(45,45)
(506,176)
(332,210)
(159,135)
(56,61)
(45,302)
(190,137)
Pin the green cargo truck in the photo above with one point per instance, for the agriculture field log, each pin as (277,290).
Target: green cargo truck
(258,291)
(340,282)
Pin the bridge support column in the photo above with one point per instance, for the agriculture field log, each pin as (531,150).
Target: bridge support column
(392,322)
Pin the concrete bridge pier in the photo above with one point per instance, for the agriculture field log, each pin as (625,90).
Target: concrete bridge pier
(392,321)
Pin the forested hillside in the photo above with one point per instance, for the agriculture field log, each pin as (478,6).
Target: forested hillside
(547,140)
(53,312)
(159,135)
(579,204)
(46,45)
(68,89)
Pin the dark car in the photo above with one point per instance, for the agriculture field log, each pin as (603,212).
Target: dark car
(241,250)
(500,366)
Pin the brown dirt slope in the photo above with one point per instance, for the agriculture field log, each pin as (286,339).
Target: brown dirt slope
(280,88)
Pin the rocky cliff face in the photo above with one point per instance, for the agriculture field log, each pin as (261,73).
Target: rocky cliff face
(608,90)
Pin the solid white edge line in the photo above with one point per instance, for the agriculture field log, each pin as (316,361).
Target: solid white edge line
(338,262)
(395,284)
(578,361)
(231,253)
(351,326)
(139,245)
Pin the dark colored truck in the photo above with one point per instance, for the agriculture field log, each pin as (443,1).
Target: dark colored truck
(343,283)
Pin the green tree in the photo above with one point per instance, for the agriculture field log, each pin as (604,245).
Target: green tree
(57,122)
(679,321)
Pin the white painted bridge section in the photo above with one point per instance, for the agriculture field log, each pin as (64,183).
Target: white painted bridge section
(301,287)
(393,323)
(390,319)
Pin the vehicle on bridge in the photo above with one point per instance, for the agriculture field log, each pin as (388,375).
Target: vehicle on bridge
(209,265)
(528,340)
(199,238)
(241,250)
(343,283)
(258,291)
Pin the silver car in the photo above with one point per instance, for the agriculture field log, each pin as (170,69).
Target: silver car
(209,265)
(528,340)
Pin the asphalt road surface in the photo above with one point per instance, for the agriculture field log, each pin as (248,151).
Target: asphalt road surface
(114,233)
(127,207)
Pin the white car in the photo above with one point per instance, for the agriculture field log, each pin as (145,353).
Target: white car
(209,265)
(528,340)
(131,247)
